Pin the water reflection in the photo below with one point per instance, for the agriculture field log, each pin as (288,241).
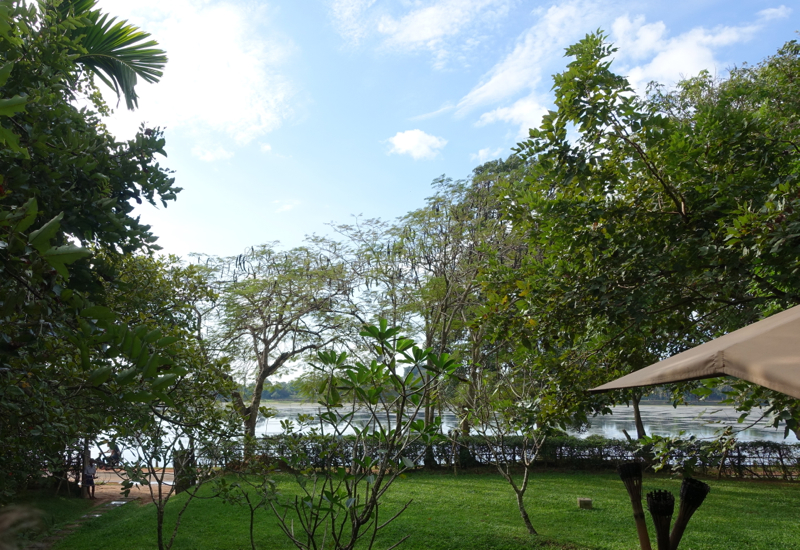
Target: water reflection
(699,420)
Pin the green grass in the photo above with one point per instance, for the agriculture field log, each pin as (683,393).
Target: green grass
(53,511)
(478,511)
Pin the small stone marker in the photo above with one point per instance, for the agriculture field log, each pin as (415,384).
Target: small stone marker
(585,503)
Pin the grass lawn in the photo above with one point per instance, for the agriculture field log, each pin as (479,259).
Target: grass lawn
(54,511)
(478,511)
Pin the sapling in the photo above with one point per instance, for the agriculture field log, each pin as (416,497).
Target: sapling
(342,490)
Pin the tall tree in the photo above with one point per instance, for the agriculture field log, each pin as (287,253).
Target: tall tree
(276,306)
(663,220)
(67,188)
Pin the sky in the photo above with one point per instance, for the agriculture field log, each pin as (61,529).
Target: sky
(282,117)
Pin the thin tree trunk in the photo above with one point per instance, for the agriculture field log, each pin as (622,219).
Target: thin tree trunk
(524,514)
(160,525)
(85,458)
(637,417)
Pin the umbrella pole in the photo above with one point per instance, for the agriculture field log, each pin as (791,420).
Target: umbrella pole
(693,493)
(631,475)
(661,505)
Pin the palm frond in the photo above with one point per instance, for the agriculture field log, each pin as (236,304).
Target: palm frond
(116,51)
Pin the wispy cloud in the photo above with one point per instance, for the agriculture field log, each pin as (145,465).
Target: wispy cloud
(445,108)
(781,12)
(525,113)
(523,68)
(515,86)
(265,148)
(285,205)
(230,85)
(417,144)
(439,26)
(349,19)
(211,153)
(486,154)
(652,55)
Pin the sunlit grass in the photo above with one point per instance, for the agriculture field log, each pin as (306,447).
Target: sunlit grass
(478,511)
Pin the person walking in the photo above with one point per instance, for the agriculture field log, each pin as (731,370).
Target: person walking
(89,473)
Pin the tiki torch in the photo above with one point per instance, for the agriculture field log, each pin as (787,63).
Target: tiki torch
(661,505)
(693,493)
(631,475)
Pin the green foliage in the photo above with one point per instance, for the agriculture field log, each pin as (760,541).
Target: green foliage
(658,222)
(115,51)
(69,362)
(339,500)
(276,307)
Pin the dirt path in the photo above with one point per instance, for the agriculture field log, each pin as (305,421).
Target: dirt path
(107,497)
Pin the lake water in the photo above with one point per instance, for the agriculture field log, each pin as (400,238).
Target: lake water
(699,420)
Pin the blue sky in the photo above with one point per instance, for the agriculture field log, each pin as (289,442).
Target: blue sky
(283,116)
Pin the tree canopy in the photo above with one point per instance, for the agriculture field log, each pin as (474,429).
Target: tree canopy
(660,221)
(67,193)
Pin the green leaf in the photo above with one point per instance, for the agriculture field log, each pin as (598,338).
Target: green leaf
(151,368)
(126,376)
(98,312)
(167,340)
(40,239)
(100,376)
(59,256)
(5,72)
(138,397)
(163,381)
(31,209)
(84,356)
(118,52)
(12,105)
(12,140)
(153,335)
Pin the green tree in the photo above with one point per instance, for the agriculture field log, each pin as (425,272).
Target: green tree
(67,188)
(339,502)
(660,221)
(276,306)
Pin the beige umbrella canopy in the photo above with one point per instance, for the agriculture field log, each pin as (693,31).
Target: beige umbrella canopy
(765,353)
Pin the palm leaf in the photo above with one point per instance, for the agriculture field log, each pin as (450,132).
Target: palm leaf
(116,51)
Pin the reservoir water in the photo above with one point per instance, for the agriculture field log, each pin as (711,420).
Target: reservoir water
(703,421)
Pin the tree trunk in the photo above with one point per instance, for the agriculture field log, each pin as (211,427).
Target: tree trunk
(160,525)
(86,456)
(429,460)
(524,514)
(637,417)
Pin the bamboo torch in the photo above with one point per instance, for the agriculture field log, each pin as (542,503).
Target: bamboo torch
(631,475)
(693,493)
(661,505)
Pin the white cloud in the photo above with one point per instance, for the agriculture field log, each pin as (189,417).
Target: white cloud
(781,12)
(211,154)
(443,109)
(435,25)
(427,26)
(348,17)
(285,206)
(416,143)
(671,58)
(223,76)
(486,154)
(539,46)
(266,148)
(635,39)
(526,113)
